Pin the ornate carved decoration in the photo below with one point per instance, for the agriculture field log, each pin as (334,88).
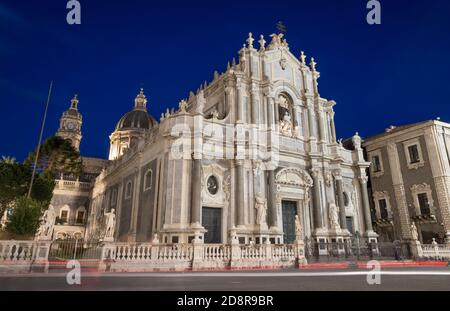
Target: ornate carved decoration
(294,177)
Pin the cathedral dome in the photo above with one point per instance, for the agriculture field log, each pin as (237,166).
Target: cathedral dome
(138,118)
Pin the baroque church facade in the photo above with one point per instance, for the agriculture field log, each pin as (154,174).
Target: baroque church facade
(240,158)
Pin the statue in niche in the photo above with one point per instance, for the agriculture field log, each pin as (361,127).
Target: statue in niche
(286,124)
(261,209)
(283,104)
(334,216)
(285,115)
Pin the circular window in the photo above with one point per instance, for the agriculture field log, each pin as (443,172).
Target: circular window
(213,185)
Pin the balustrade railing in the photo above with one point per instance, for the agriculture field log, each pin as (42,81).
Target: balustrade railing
(284,252)
(213,252)
(175,252)
(72,185)
(129,256)
(17,251)
(209,255)
(149,252)
(436,251)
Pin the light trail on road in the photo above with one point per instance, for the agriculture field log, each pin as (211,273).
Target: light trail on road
(231,274)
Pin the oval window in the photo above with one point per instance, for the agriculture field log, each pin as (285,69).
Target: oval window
(212,184)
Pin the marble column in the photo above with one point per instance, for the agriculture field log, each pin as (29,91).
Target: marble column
(333,127)
(240,104)
(297,120)
(196,192)
(229,96)
(322,136)
(240,195)
(365,202)
(317,208)
(340,195)
(311,121)
(272,200)
(118,211)
(271,111)
(277,113)
(136,187)
(255,107)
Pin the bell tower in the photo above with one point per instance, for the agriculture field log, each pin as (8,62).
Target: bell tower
(70,124)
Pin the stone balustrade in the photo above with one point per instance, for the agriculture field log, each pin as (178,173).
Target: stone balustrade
(17,251)
(148,257)
(216,252)
(436,251)
(130,257)
(62,184)
(19,256)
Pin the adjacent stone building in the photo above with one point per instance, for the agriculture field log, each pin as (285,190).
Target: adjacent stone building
(71,196)
(410,181)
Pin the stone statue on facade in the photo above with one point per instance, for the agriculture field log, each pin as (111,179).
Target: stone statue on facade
(183,106)
(215,115)
(110,224)
(277,41)
(155,240)
(233,236)
(261,209)
(414,233)
(4,220)
(48,219)
(357,141)
(334,216)
(286,124)
(328,179)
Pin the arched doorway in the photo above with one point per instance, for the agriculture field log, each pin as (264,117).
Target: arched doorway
(293,188)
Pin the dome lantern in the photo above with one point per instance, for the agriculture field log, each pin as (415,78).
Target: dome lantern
(140,102)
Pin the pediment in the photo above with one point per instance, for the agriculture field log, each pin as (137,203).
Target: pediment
(294,177)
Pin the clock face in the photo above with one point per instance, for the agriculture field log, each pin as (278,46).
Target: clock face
(70,126)
(212,185)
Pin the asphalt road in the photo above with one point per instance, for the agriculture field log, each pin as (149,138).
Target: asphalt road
(405,279)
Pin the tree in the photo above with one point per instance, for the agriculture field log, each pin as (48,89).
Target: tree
(25,219)
(14,182)
(8,159)
(57,155)
(43,187)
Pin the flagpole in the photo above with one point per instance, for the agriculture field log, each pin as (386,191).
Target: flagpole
(40,140)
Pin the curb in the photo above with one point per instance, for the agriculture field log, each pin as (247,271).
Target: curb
(383,264)
(405,264)
(343,265)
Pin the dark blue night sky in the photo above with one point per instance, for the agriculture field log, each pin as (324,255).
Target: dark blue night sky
(391,74)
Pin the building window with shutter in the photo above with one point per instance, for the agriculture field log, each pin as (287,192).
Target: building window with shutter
(413,154)
(383,209)
(424,204)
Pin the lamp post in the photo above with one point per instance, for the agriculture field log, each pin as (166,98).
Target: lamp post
(40,140)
